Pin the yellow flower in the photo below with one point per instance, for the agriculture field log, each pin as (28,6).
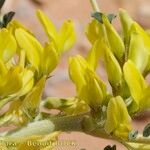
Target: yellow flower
(63,39)
(118,120)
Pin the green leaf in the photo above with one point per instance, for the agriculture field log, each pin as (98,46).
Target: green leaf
(146,131)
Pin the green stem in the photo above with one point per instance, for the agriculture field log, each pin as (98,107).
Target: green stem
(83,123)
(95,5)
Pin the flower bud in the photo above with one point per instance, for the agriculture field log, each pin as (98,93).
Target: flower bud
(118,120)
(115,42)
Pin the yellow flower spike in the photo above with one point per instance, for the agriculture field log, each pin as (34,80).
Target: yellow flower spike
(13,77)
(138,52)
(8,46)
(65,38)
(93,31)
(113,68)
(49,59)
(77,66)
(115,42)
(136,83)
(126,22)
(95,54)
(118,120)
(31,46)
(31,102)
(94,91)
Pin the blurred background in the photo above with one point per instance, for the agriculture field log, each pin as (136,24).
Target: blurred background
(79,11)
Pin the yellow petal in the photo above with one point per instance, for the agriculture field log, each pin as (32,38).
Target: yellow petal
(67,36)
(135,81)
(27,81)
(95,54)
(31,46)
(126,22)
(11,83)
(113,68)
(8,45)
(3,69)
(118,120)
(30,105)
(115,42)
(77,67)
(138,52)
(94,31)
(48,25)
(15,24)
(50,59)
(94,91)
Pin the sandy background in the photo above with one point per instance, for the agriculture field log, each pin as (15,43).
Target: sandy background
(79,11)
